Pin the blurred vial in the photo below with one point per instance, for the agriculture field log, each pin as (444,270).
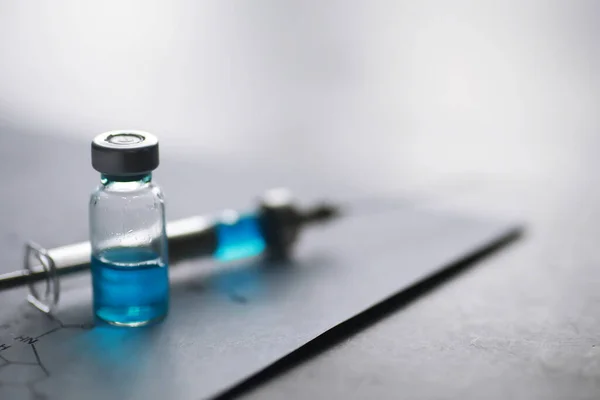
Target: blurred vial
(127,231)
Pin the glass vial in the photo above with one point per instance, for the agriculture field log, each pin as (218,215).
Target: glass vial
(127,231)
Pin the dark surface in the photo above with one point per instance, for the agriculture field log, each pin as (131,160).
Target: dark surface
(226,323)
(490,106)
(354,325)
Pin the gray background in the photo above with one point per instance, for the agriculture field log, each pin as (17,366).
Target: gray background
(490,106)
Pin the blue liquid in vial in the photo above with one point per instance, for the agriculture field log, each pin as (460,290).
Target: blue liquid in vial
(241,238)
(131,286)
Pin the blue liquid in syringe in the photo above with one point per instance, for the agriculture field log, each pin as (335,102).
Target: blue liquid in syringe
(240,238)
(131,286)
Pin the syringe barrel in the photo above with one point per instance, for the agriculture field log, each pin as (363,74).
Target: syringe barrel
(193,236)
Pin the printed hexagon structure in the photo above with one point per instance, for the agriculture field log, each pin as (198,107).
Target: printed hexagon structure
(21,374)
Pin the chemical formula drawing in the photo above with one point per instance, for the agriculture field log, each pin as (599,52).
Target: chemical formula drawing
(20,362)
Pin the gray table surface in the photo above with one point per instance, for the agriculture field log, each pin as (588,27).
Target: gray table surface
(227,321)
(489,106)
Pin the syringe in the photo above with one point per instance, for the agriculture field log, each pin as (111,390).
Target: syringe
(270,230)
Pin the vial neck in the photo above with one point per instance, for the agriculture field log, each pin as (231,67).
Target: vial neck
(125,182)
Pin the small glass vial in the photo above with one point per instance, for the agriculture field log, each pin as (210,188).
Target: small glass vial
(127,231)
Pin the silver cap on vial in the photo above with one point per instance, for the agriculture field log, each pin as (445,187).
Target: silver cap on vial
(125,152)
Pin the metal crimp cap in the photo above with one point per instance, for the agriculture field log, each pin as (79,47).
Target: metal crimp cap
(125,152)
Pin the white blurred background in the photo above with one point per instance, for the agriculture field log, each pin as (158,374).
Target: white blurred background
(389,95)
(490,105)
